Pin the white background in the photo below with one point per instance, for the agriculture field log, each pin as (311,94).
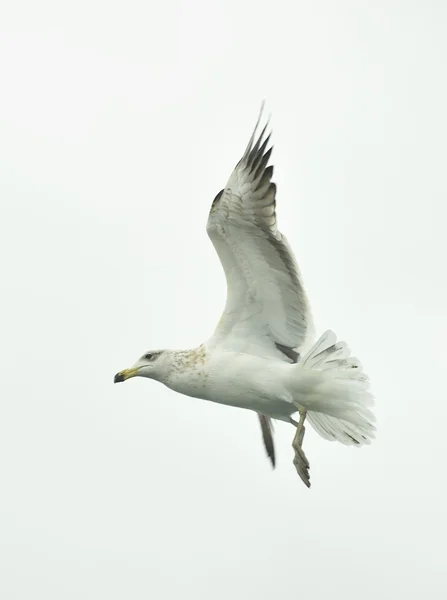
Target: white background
(119,123)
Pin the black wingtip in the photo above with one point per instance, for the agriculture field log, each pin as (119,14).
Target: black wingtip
(267,436)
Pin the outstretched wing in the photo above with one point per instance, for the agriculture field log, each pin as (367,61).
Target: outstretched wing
(266,313)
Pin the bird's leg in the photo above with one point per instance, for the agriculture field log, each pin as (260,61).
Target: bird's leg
(300,461)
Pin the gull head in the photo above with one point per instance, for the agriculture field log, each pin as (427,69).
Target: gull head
(153,364)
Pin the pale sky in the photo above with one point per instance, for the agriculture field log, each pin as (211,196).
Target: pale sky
(118,126)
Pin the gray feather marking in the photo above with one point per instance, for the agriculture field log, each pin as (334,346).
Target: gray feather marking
(289,352)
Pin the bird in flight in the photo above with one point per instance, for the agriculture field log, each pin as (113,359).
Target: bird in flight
(263,356)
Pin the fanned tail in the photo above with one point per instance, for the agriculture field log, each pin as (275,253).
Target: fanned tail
(338,406)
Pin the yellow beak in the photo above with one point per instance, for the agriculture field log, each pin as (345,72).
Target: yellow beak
(126,374)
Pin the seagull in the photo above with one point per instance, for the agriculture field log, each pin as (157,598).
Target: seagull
(263,355)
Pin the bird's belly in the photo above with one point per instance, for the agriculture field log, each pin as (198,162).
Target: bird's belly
(241,398)
(242,381)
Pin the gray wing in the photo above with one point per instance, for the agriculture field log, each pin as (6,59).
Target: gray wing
(266,313)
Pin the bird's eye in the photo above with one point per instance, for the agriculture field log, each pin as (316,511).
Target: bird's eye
(148,356)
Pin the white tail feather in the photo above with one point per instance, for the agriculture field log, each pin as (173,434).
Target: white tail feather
(337,407)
